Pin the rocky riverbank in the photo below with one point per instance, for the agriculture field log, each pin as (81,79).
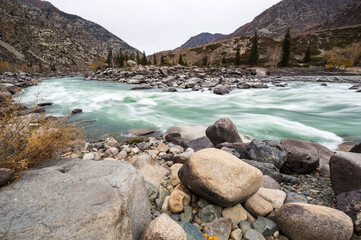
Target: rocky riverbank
(199,183)
(220,80)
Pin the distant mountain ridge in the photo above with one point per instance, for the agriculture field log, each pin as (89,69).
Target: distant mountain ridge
(36,32)
(348,15)
(201,39)
(299,15)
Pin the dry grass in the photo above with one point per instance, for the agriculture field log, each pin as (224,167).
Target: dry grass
(29,140)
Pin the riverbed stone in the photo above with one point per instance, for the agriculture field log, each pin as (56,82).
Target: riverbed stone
(210,213)
(345,168)
(75,199)
(305,157)
(269,182)
(142,131)
(265,226)
(164,228)
(220,177)
(267,151)
(267,169)
(356,148)
(179,198)
(5,175)
(273,196)
(236,234)
(223,131)
(200,143)
(89,156)
(187,215)
(252,234)
(221,89)
(112,152)
(174,179)
(162,148)
(188,133)
(122,155)
(350,203)
(151,171)
(236,213)
(193,233)
(183,157)
(221,228)
(257,206)
(301,221)
(239,147)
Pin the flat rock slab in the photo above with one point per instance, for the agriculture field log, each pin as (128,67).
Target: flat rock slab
(75,199)
(142,132)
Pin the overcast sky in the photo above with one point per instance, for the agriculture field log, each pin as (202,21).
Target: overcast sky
(156,25)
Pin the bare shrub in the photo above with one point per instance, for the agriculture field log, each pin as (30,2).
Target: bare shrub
(29,140)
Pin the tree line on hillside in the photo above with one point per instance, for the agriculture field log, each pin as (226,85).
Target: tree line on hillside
(336,58)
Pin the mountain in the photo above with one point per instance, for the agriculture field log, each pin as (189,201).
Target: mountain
(348,15)
(37,33)
(299,15)
(200,39)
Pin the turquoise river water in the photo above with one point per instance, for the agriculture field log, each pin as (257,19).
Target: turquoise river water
(302,110)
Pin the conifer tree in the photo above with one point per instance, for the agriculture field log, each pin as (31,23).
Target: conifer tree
(154,59)
(137,58)
(224,60)
(254,55)
(205,61)
(120,58)
(109,60)
(144,60)
(307,57)
(180,59)
(237,59)
(162,62)
(286,50)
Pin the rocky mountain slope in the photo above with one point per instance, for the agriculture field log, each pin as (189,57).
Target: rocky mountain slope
(299,15)
(200,39)
(36,33)
(349,15)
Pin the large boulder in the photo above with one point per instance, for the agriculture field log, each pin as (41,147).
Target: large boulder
(223,131)
(75,199)
(220,177)
(222,89)
(300,221)
(188,133)
(305,157)
(345,168)
(164,228)
(267,151)
(152,172)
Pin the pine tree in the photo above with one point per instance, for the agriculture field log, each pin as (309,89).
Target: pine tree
(137,58)
(180,59)
(307,57)
(120,58)
(162,62)
(254,55)
(224,60)
(109,60)
(144,59)
(205,61)
(286,50)
(237,59)
(154,59)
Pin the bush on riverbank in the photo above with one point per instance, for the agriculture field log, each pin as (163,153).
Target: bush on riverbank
(30,139)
